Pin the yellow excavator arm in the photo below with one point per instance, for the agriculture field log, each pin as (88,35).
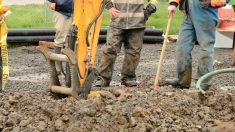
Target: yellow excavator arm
(80,52)
(84,13)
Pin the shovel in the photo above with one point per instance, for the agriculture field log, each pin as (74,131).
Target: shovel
(156,81)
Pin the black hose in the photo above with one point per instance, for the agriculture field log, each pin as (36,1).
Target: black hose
(152,31)
(31,32)
(93,22)
(102,39)
(29,39)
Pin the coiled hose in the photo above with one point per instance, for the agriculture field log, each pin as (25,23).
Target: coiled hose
(210,74)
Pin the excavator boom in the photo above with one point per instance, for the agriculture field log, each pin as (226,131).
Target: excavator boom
(79,54)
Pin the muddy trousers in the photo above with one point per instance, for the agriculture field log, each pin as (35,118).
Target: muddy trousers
(201,29)
(132,40)
(62,26)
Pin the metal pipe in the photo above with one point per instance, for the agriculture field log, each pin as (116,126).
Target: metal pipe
(58,57)
(61,90)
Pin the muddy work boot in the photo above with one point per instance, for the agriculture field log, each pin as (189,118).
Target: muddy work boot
(58,64)
(101,82)
(175,83)
(129,83)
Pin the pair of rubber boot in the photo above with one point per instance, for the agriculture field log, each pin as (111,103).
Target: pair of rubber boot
(103,82)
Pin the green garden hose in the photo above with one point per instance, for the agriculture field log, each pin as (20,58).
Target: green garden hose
(210,74)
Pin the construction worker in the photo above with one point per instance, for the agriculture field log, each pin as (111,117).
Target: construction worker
(62,22)
(127,26)
(198,25)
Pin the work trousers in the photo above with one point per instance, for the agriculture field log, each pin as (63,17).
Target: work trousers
(132,40)
(198,25)
(62,26)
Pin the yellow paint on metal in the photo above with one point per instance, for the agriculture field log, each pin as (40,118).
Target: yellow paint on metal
(3,45)
(84,12)
(94,94)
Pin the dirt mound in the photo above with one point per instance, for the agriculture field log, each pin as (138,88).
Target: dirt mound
(27,105)
(120,109)
(224,127)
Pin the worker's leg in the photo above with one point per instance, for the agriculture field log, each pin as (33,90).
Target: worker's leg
(133,46)
(108,56)
(185,44)
(62,26)
(205,31)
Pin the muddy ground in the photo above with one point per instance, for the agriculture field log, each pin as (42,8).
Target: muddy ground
(27,105)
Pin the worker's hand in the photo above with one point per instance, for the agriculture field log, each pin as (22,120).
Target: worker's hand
(171,10)
(53,5)
(114,12)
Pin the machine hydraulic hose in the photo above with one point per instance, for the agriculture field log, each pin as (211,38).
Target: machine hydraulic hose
(209,75)
(93,22)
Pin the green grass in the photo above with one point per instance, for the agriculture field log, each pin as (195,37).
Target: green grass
(27,16)
(31,16)
(159,19)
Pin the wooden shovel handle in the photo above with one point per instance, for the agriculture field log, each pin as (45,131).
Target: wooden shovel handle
(156,81)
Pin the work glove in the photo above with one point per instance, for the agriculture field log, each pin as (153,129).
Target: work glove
(150,8)
(53,5)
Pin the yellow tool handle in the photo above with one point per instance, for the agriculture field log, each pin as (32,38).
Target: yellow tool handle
(156,81)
